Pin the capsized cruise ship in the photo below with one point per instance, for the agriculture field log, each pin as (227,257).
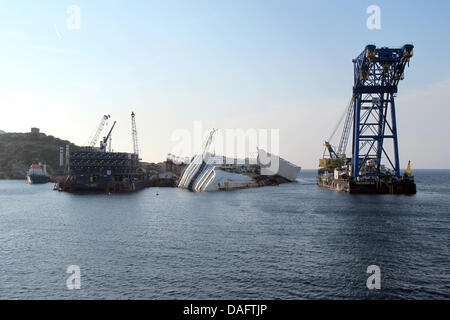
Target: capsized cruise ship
(207,172)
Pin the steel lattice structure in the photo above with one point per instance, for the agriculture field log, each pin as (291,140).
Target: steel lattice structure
(377,72)
(134,134)
(99,130)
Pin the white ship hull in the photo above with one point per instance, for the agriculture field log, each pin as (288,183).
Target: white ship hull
(208,173)
(275,165)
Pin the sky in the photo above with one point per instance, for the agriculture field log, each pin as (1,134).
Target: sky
(246,64)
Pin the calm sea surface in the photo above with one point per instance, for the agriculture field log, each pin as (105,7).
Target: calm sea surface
(295,241)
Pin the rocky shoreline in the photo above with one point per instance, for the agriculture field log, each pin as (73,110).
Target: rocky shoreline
(17,171)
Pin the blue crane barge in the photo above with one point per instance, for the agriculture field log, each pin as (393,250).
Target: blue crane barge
(374,166)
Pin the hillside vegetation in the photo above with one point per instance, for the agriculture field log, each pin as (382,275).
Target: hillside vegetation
(19,150)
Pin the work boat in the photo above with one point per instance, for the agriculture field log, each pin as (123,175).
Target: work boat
(36,174)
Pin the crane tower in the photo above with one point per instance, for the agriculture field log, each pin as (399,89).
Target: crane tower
(374,166)
(377,73)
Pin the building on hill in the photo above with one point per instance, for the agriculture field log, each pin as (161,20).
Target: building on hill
(35,130)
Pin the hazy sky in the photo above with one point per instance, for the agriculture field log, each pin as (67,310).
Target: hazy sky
(231,64)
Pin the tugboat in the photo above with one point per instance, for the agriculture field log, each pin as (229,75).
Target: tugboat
(36,174)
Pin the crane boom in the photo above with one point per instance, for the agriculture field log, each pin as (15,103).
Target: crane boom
(347,128)
(348,116)
(331,151)
(99,130)
(134,134)
(104,143)
(209,141)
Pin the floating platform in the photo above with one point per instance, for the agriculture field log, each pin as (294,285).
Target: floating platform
(99,171)
(385,185)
